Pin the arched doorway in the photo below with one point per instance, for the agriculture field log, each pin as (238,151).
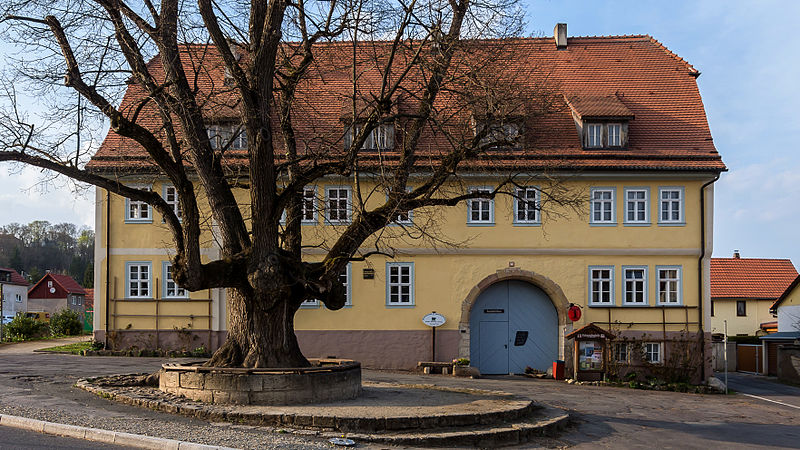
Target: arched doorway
(513,325)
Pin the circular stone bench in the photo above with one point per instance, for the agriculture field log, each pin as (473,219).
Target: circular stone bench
(279,386)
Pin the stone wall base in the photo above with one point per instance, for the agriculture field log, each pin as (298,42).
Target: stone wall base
(292,386)
(379,349)
(789,363)
(167,340)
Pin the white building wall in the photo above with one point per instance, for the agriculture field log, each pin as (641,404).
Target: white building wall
(11,294)
(789,318)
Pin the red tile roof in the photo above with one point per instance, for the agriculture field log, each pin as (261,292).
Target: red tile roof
(750,277)
(16,278)
(669,129)
(774,308)
(65,281)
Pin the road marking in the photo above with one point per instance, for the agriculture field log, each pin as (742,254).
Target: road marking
(773,401)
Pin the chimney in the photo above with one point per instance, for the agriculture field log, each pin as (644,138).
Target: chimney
(736,254)
(560,34)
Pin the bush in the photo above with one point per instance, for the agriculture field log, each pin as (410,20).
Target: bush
(22,328)
(66,322)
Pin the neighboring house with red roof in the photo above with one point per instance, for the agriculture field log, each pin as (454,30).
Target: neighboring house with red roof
(55,292)
(627,132)
(14,291)
(744,289)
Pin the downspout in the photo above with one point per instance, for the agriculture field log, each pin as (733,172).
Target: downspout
(700,275)
(108,263)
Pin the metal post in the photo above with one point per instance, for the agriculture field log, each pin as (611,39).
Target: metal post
(433,344)
(726,355)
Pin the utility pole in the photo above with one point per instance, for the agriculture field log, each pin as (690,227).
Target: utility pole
(726,355)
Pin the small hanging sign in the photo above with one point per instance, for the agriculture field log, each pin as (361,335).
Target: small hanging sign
(433,320)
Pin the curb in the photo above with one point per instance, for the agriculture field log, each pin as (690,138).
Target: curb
(105,436)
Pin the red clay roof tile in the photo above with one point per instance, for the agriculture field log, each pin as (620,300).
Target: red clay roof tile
(669,130)
(750,277)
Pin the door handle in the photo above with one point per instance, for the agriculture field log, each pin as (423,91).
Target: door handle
(505,345)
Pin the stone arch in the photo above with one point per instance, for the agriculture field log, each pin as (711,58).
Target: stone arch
(547,285)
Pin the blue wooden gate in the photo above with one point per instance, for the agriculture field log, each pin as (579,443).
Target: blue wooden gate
(513,325)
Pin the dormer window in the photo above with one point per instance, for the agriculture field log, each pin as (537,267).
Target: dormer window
(603,135)
(380,138)
(602,122)
(499,134)
(221,135)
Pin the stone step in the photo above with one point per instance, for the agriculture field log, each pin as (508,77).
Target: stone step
(545,421)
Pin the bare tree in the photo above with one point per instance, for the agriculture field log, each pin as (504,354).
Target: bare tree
(451,96)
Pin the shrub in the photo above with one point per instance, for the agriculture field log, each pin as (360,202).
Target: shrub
(66,322)
(22,328)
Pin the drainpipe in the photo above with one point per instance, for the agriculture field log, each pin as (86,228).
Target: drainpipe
(108,263)
(700,274)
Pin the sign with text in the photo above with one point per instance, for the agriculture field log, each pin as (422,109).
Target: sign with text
(433,320)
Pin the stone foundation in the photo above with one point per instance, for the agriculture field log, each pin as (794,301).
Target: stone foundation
(290,386)
(789,363)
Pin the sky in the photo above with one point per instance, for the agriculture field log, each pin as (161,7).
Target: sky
(749,55)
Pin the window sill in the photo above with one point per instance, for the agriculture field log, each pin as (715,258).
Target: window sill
(527,224)
(480,224)
(602,224)
(338,222)
(138,220)
(637,224)
(672,224)
(400,306)
(635,305)
(601,305)
(670,305)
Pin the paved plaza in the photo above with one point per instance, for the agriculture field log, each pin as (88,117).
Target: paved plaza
(40,386)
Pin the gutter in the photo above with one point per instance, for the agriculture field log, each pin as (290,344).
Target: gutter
(700,274)
(108,263)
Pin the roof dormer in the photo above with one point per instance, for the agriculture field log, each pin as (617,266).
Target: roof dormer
(602,122)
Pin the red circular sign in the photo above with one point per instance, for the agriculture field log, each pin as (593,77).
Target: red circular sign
(574,313)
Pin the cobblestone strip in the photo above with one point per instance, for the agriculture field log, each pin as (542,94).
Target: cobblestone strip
(98,435)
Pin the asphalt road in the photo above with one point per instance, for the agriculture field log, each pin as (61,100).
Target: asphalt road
(14,438)
(765,389)
(41,386)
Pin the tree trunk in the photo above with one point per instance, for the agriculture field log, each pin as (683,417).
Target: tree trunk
(260,332)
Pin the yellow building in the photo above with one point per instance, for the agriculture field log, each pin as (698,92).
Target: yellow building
(627,139)
(743,291)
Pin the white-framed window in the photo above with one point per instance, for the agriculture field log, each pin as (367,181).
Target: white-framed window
(138,279)
(310,303)
(49,284)
(634,289)
(614,133)
(637,209)
(527,205)
(669,285)
(621,351)
(17,298)
(339,206)
(670,205)
(652,352)
(380,138)
(399,284)
(220,135)
(308,205)
(602,203)
(171,288)
(601,285)
(138,211)
(480,211)
(344,278)
(504,134)
(170,196)
(403,218)
(594,135)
